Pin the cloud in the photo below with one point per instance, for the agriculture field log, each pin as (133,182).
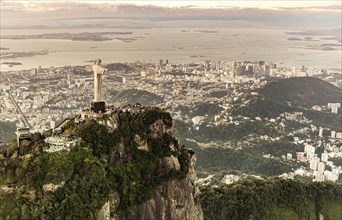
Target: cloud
(47,6)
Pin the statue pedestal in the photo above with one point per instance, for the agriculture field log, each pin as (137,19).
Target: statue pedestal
(98,106)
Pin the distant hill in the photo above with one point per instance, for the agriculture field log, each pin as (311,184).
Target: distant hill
(122,67)
(218,94)
(302,91)
(132,96)
(294,95)
(263,107)
(271,199)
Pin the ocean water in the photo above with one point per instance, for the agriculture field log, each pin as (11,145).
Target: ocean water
(175,44)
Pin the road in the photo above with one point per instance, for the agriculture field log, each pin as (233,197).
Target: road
(19,111)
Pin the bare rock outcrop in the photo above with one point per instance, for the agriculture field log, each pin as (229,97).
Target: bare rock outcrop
(173,199)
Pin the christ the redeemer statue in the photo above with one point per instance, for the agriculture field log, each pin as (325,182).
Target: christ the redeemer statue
(98,104)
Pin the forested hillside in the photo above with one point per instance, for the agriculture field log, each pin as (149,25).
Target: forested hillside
(272,199)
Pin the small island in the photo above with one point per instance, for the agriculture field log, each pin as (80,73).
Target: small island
(84,36)
(301,39)
(294,39)
(10,64)
(128,39)
(89,61)
(11,55)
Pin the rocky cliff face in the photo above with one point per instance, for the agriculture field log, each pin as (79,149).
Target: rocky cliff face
(171,199)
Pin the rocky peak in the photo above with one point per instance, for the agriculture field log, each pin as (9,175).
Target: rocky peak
(126,164)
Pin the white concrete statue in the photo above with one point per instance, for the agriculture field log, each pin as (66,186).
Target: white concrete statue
(98,72)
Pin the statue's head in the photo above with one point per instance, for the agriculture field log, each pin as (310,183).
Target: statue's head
(98,62)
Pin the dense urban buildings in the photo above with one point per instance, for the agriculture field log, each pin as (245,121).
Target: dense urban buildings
(43,98)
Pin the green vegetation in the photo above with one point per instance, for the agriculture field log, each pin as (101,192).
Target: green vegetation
(7,130)
(324,119)
(218,159)
(272,198)
(337,161)
(122,67)
(200,109)
(232,132)
(332,210)
(218,94)
(104,163)
(247,158)
(225,132)
(262,107)
(138,96)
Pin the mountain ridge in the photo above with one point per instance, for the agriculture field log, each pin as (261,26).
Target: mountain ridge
(296,94)
(302,91)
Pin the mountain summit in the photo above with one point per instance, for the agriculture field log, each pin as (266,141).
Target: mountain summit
(123,164)
(297,94)
(302,91)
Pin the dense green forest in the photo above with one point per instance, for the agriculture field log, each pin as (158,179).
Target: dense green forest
(7,130)
(247,159)
(272,199)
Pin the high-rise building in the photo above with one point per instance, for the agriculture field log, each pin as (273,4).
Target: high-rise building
(250,69)
(37,100)
(239,71)
(289,156)
(324,157)
(320,132)
(321,167)
(314,163)
(309,149)
(45,98)
(338,135)
(206,64)
(319,176)
(334,107)
(52,124)
(329,175)
(143,73)
(69,78)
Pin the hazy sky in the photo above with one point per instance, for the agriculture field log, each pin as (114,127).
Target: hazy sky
(194,3)
(241,3)
(53,13)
